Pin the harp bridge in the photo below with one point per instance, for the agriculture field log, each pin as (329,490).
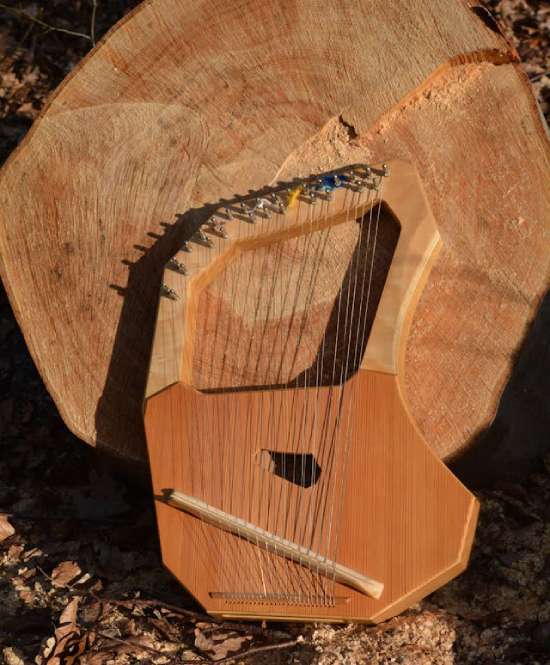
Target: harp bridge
(279,546)
(275,407)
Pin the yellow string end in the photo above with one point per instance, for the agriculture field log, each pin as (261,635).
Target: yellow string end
(294,195)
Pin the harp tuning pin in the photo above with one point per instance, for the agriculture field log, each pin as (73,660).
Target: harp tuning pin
(262,205)
(202,238)
(186,247)
(248,211)
(175,265)
(311,194)
(228,213)
(218,226)
(278,202)
(386,170)
(167,292)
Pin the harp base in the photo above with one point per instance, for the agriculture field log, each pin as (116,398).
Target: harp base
(406,519)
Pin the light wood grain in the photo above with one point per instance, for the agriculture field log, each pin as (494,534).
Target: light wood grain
(187,102)
(173,351)
(404,517)
(271,542)
(380,500)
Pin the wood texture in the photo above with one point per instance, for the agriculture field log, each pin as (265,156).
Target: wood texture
(375,497)
(174,351)
(274,543)
(188,102)
(404,518)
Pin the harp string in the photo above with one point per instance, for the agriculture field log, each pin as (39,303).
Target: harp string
(316,496)
(301,433)
(269,479)
(318,516)
(313,249)
(344,368)
(286,490)
(241,566)
(307,516)
(257,380)
(300,439)
(200,437)
(335,386)
(205,436)
(266,478)
(318,449)
(251,453)
(358,349)
(258,555)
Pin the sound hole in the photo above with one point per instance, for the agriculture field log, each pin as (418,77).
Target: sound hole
(296,312)
(299,469)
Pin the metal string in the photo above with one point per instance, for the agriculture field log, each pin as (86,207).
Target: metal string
(316,490)
(296,432)
(301,437)
(363,339)
(294,424)
(308,243)
(319,511)
(333,445)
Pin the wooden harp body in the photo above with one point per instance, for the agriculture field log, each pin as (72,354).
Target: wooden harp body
(290,480)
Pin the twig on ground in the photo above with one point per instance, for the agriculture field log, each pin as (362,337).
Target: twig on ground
(539,75)
(92,24)
(197,616)
(249,652)
(131,643)
(29,17)
(158,603)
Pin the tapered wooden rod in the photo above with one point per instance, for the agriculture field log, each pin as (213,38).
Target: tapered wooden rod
(258,536)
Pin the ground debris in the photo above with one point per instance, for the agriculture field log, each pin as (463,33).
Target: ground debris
(6,529)
(65,573)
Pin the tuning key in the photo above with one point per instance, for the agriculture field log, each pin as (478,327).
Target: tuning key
(177,266)
(168,292)
(201,238)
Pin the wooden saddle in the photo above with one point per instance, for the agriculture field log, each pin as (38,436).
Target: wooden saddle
(290,480)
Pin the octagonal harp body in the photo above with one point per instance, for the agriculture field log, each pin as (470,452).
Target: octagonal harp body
(290,481)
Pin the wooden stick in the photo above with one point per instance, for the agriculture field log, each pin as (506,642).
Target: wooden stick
(258,536)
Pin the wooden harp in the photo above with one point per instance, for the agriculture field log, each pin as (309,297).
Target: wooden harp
(290,481)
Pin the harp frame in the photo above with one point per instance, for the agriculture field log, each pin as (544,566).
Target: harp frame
(417,248)
(413,548)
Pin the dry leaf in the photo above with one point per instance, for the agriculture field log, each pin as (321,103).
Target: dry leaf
(15,552)
(6,529)
(63,574)
(13,656)
(219,645)
(27,110)
(68,642)
(49,646)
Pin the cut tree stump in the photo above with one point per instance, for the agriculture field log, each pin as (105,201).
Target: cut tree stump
(187,102)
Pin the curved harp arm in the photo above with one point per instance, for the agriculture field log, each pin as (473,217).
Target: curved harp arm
(418,245)
(172,352)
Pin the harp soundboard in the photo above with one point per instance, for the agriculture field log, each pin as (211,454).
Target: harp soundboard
(290,481)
